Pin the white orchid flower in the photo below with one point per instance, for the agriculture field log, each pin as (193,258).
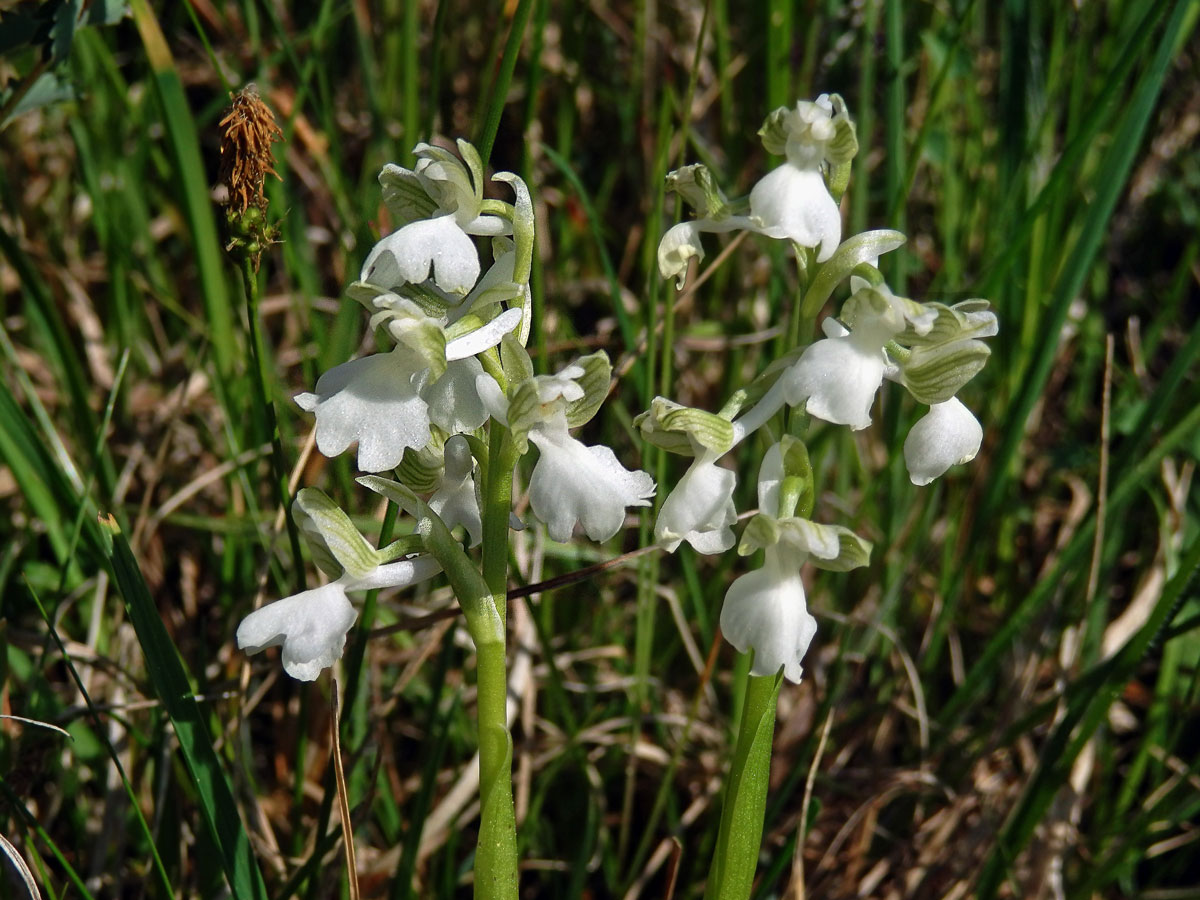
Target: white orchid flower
(311,626)
(839,375)
(699,509)
(571,482)
(374,401)
(385,402)
(947,435)
(440,202)
(791,202)
(765,612)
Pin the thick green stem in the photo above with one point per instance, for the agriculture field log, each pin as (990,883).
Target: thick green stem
(496,854)
(732,873)
(497,505)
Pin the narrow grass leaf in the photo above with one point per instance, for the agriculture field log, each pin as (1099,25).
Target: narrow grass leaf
(171,683)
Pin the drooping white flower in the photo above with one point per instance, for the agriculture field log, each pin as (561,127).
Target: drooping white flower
(947,435)
(765,611)
(410,254)
(311,626)
(681,243)
(439,205)
(572,482)
(386,401)
(699,509)
(839,374)
(791,202)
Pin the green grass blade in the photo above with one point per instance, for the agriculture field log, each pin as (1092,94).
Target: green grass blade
(1090,699)
(1109,184)
(159,870)
(499,88)
(189,169)
(174,689)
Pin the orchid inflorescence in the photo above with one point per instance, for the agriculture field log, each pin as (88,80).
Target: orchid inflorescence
(457,366)
(932,349)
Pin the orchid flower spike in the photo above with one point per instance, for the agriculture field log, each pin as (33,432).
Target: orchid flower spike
(311,626)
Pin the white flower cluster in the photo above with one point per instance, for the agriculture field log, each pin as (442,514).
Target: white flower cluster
(419,409)
(930,348)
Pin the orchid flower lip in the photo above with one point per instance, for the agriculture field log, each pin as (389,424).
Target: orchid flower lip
(700,509)
(374,401)
(765,612)
(574,483)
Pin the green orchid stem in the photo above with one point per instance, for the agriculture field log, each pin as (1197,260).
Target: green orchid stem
(278,466)
(731,876)
(497,505)
(496,855)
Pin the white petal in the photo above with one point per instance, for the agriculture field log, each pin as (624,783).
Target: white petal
(765,611)
(945,436)
(680,244)
(487,335)
(373,401)
(402,573)
(492,397)
(311,626)
(770,477)
(488,225)
(454,402)
(790,202)
(839,377)
(455,499)
(699,510)
(457,504)
(407,255)
(574,483)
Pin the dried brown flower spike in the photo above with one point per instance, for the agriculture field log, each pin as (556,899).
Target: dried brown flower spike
(247,133)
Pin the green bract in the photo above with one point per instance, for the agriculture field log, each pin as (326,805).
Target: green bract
(935,374)
(696,186)
(337,546)
(684,430)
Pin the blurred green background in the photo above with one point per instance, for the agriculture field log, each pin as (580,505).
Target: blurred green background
(1003,705)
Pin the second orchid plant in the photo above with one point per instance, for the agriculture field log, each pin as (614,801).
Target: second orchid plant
(442,418)
(931,349)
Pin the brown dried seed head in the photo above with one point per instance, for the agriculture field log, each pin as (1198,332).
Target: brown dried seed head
(247,133)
